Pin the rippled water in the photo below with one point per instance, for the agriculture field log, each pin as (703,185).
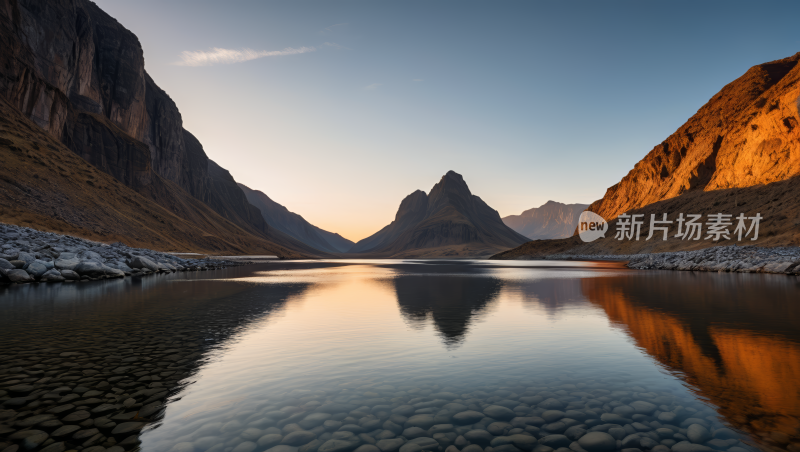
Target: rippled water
(361,353)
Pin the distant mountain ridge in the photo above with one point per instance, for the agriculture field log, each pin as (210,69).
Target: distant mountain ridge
(294,225)
(552,220)
(448,222)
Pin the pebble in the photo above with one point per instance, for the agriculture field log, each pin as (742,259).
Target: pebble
(499,412)
(34,441)
(247,446)
(467,417)
(298,438)
(555,441)
(390,445)
(686,446)
(481,437)
(698,434)
(598,442)
(472,448)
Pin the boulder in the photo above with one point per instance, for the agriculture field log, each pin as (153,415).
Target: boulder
(52,275)
(113,272)
(70,275)
(36,269)
(67,264)
(18,275)
(143,263)
(91,269)
(6,264)
(91,256)
(27,258)
(10,254)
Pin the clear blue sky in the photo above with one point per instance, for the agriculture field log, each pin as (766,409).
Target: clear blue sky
(352,105)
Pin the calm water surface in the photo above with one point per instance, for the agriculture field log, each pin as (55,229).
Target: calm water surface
(363,343)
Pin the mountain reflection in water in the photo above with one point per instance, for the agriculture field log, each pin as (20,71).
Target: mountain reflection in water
(451,302)
(735,338)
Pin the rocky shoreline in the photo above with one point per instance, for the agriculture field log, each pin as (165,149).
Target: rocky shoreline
(738,259)
(31,256)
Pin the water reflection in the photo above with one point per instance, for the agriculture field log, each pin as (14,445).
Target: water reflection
(114,351)
(277,341)
(735,338)
(552,295)
(451,302)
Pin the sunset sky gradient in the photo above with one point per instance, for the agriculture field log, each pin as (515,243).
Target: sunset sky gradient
(339,109)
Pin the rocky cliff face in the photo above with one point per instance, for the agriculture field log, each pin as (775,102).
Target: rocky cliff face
(746,135)
(552,220)
(59,51)
(79,74)
(450,221)
(46,186)
(739,154)
(294,225)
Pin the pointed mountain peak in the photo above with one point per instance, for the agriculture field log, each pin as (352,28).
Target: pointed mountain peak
(451,189)
(415,204)
(449,218)
(453,178)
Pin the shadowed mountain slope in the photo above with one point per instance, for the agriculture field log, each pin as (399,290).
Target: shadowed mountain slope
(46,186)
(553,220)
(79,75)
(448,222)
(292,224)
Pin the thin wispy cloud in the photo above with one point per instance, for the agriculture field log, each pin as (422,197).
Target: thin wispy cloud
(332,28)
(229,56)
(373,86)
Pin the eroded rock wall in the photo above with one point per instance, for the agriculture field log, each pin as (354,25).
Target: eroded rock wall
(746,135)
(79,74)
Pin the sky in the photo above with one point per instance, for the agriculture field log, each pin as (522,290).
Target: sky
(338,109)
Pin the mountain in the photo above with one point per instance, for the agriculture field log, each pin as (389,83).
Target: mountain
(746,135)
(448,222)
(740,153)
(79,75)
(552,220)
(292,224)
(45,185)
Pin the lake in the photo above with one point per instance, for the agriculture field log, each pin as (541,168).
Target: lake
(404,356)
